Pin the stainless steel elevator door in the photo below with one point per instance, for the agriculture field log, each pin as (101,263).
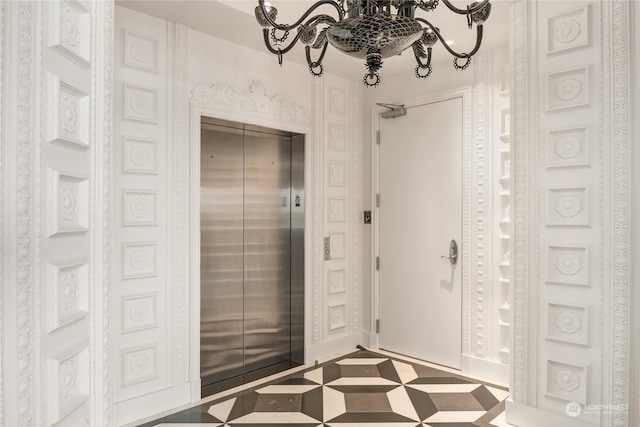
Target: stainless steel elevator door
(221,258)
(252,306)
(267,249)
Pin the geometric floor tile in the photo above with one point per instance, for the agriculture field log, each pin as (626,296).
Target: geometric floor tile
(361,389)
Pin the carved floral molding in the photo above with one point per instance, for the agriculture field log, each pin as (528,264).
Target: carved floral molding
(255,101)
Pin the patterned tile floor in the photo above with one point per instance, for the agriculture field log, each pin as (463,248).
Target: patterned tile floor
(361,389)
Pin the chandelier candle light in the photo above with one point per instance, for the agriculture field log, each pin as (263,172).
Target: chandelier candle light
(367,29)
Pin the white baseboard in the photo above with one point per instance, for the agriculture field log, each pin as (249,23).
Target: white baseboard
(371,340)
(334,347)
(151,405)
(494,372)
(196,390)
(521,415)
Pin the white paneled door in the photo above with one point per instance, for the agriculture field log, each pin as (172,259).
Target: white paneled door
(420,181)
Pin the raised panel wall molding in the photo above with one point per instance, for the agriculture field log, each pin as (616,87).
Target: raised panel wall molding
(68,197)
(140,51)
(140,156)
(68,292)
(340,294)
(139,312)
(140,103)
(143,304)
(68,378)
(569,30)
(140,208)
(68,112)
(70,31)
(140,364)
(53,93)
(572,249)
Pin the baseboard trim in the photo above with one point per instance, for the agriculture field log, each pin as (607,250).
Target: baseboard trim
(495,372)
(332,348)
(520,415)
(371,339)
(151,405)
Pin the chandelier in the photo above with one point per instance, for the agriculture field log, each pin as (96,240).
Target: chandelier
(369,30)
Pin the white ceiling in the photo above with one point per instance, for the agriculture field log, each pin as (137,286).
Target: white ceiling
(233,20)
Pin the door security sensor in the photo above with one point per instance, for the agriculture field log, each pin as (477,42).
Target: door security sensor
(394,111)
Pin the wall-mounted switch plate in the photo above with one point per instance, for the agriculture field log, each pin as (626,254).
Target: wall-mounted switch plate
(327,248)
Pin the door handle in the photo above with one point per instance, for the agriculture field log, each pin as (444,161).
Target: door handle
(453,253)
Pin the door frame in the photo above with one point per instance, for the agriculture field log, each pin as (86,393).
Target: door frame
(198,109)
(465,94)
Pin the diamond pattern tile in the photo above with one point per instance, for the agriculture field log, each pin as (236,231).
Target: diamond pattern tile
(361,389)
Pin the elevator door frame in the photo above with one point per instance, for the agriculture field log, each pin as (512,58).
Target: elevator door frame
(197,112)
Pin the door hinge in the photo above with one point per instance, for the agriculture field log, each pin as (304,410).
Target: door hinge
(377,326)
(378,200)
(378,137)
(377,263)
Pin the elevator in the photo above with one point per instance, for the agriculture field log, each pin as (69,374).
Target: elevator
(252,253)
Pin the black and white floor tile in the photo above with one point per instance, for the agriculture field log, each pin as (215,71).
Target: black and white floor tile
(361,389)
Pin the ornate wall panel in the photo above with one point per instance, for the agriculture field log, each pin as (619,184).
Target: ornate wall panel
(51,217)
(338,119)
(143,348)
(502,213)
(70,25)
(68,293)
(68,112)
(68,378)
(572,157)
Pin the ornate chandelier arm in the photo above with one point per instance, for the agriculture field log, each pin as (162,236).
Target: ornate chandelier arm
(286,27)
(419,53)
(320,19)
(279,52)
(473,9)
(315,21)
(444,43)
(423,69)
(316,64)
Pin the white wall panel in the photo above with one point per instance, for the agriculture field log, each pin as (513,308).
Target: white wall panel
(53,92)
(142,196)
(339,288)
(571,250)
